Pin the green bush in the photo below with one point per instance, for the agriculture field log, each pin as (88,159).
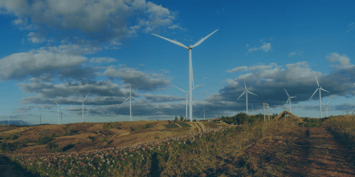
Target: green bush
(53,135)
(90,137)
(194,120)
(104,139)
(8,146)
(44,140)
(181,118)
(118,127)
(132,129)
(78,142)
(176,119)
(72,131)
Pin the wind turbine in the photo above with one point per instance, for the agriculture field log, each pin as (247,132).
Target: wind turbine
(326,107)
(190,63)
(82,114)
(246,91)
(130,102)
(186,95)
(58,111)
(204,111)
(289,99)
(320,98)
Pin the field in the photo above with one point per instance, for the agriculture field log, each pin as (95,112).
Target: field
(157,148)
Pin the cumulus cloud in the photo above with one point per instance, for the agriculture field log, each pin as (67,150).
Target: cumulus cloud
(343,60)
(138,79)
(291,54)
(239,68)
(103,21)
(162,98)
(247,45)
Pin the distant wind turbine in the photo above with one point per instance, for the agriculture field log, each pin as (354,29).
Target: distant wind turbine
(320,98)
(130,102)
(289,99)
(82,114)
(204,112)
(326,107)
(246,91)
(185,95)
(190,63)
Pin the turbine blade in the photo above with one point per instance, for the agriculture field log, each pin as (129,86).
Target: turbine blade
(251,93)
(287,93)
(125,100)
(324,90)
(56,103)
(316,79)
(201,112)
(175,42)
(292,97)
(86,96)
(245,86)
(136,98)
(241,95)
(314,93)
(287,100)
(200,41)
(179,88)
(328,102)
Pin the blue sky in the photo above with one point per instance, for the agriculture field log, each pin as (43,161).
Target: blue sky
(62,50)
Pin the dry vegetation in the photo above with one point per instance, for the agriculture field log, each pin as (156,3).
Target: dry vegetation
(275,148)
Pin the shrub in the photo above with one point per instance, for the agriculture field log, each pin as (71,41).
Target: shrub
(78,142)
(13,137)
(90,137)
(44,140)
(176,119)
(181,118)
(53,135)
(194,120)
(104,139)
(132,129)
(118,127)
(72,131)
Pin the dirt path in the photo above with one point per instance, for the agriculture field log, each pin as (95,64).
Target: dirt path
(317,153)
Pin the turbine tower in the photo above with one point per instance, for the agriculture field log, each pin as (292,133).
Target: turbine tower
(130,102)
(58,111)
(185,95)
(204,112)
(190,63)
(246,91)
(82,114)
(320,98)
(326,107)
(289,99)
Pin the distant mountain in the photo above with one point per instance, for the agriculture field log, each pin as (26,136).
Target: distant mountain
(14,122)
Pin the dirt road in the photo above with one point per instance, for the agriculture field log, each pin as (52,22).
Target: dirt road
(317,153)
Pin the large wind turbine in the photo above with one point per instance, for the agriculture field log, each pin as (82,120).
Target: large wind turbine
(190,63)
(130,102)
(58,111)
(246,91)
(326,107)
(289,99)
(82,114)
(320,98)
(185,95)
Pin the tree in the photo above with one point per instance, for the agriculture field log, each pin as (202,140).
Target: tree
(181,118)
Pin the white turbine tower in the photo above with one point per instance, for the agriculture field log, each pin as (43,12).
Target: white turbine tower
(204,112)
(82,114)
(130,102)
(320,98)
(190,63)
(185,95)
(289,99)
(58,111)
(326,107)
(246,91)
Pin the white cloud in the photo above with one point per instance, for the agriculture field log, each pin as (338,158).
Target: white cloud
(247,45)
(102,59)
(176,26)
(239,68)
(265,47)
(351,27)
(103,20)
(343,60)
(291,54)
(35,37)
